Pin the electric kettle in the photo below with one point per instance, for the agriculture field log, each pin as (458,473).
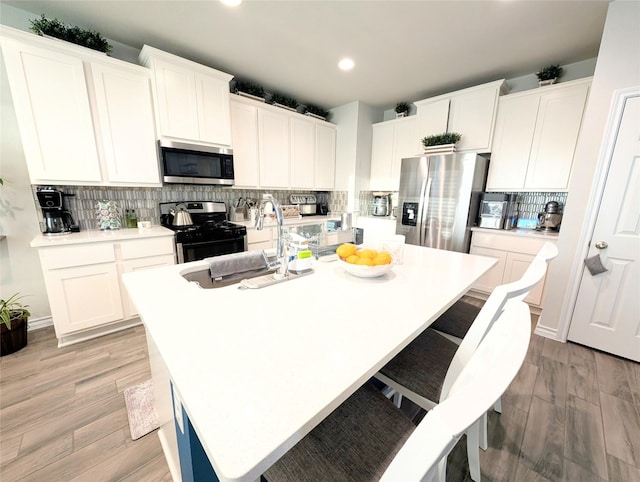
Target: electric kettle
(182,217)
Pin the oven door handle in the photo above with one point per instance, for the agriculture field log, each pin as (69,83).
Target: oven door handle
(180,253)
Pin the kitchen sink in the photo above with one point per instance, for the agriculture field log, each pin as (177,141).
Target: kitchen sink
(203,277)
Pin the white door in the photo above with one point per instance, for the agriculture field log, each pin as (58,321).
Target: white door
(607,311)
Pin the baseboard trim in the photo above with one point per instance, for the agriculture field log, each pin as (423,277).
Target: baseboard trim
(39,323)
(547,332)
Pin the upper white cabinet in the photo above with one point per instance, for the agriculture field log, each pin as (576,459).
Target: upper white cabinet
(470,112)
(192,100)
(535,138)
(84,118)
(275,148)
(392,140)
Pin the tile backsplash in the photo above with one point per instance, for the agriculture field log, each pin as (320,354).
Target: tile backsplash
(145,200)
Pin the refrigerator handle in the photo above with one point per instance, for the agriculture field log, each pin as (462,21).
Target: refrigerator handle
(425,190)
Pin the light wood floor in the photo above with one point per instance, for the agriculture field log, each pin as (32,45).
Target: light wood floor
(572,414)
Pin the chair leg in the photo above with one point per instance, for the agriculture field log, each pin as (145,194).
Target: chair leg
(484,441)
(473,450)
(498,405)
(397,399)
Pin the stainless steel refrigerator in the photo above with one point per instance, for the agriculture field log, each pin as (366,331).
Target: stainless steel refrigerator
(439,199)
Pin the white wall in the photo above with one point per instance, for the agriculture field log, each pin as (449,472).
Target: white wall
(618,67)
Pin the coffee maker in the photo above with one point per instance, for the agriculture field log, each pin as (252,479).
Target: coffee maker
(381,204)
(551,218)
(57,220)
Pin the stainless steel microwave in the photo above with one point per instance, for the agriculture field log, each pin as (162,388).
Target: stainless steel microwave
(184,163)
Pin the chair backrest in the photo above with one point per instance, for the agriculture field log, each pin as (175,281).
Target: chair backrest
(483,380)
(493,308)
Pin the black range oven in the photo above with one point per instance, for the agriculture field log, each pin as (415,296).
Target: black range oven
(209,235)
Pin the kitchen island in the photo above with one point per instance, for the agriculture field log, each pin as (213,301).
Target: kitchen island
(256,370)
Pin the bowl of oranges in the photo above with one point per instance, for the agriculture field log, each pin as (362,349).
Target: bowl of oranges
(364,262)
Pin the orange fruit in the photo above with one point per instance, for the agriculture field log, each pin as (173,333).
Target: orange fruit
(364,261)
(368,253)
(352,259)
(345,250)
(382,258)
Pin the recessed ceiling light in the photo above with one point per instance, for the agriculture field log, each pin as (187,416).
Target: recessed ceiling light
(346,64)
(231,3)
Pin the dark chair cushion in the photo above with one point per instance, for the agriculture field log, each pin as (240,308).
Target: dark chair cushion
(457,320)
(423,364)
(357,442)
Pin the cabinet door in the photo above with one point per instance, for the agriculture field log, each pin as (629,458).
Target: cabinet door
(127,128)
(303,135)
(84,297)
(555,138)
(52,107)
(139,264)
(433,118)
(493,277)
(472,114)
(244,129)
(515,126)
(325,167)
(516,265)
(213,110)
(273,129)
(381,156)
(406,143)
(177,101)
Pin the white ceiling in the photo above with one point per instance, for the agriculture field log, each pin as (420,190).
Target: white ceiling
(404,50)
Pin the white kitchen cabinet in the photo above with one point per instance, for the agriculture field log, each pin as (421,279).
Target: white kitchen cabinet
(303,153)
(276,148)
(244,130)
(84,118)
(392,140)
(192,100)
(259,239)
(325,157)
(514,254)
(83,282)
(273,148)
(376,228)
(536,136)
(470,112)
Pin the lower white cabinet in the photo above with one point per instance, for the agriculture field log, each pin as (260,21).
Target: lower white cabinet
(84,286)
(258,240)
(514,254)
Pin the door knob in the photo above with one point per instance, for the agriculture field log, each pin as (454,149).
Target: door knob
(601,245)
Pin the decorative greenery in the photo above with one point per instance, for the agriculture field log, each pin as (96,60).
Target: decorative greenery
(402,107)
(441,139)
(11,309)
(550,72)
(249,88)
(55,28)
(314,109)
(283,100)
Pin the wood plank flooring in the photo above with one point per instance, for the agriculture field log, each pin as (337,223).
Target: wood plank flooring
(572,414)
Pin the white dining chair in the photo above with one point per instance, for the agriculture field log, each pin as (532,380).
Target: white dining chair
(427,368)
(367,439)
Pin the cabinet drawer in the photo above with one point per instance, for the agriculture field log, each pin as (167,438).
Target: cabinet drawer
(76,255)
(516,244)
(258,236)
(144,248)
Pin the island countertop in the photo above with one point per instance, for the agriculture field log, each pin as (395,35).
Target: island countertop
(257,369)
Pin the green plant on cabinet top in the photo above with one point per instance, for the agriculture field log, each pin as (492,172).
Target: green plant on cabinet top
(55,28)
(402,108)
(441,139)
(283,100)
(550,72)
(249,88)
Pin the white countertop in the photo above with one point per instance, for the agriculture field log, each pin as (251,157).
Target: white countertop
(97,236)
(258,369)
(518,232)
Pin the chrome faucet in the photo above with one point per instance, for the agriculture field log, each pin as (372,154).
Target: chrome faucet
(281,249)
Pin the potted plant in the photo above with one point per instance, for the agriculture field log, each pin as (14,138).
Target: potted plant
(56,29)
(249,89)
(284,102)
(445,142)
(549,75)
(402,109)
(13,325)
(317,112)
